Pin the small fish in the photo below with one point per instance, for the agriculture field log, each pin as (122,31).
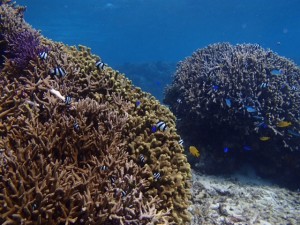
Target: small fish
(34,206)
(112,180)
(258,117)
(156,176)
(68,100)
(194,151)
(215,87)
(226,149)
(294,88)
(76,126)
(276,72)
(162,126)
(294,133)
(153,129)
(262,124)
(58,71)
(283,124)
(264,85)
(103,168)
(247,148)
(43,55)
(250,109)
(100,65)
(179,101)
(142,158)
(138,104)
(264,138)
(228,102)
(283,86)
(180,142)
(123,194)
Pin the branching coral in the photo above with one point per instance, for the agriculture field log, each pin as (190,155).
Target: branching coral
(22,47)
(70,145)
(233,99)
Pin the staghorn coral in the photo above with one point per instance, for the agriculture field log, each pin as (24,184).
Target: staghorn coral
(231,99)
(70,145)
(22,47)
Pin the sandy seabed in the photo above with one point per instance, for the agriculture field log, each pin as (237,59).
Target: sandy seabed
(241,200)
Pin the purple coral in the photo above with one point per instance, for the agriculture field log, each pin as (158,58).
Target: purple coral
(23,47)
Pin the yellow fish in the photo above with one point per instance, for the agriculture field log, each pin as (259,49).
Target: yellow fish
(194,151)
(264,138)
(284,124)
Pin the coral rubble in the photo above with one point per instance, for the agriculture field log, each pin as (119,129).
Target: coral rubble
(239,103)
(241,200)
(72,137)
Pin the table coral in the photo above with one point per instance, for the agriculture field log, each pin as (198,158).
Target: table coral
(70,145)
(239,103)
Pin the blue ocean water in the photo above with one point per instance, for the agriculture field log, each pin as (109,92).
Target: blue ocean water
(138,36)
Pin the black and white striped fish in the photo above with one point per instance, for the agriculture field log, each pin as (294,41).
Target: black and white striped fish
(156,176)
(58,71)
(264,85)
(43,55)
(112,180)
(76,126)
(180,142)
(100,65)
(142,158)
(123,193)
(162,126)
(103,168)
(68,100)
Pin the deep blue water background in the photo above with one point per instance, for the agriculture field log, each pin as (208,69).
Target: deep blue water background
(146,38)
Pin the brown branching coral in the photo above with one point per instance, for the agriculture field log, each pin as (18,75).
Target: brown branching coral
(239,100)
(72,139)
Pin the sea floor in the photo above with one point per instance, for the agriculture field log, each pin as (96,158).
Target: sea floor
(242,199)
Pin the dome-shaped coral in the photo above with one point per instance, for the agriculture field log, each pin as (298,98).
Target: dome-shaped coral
(75,148)
(239,102)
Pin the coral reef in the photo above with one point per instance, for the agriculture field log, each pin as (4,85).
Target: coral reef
(75,148)
(239,103)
